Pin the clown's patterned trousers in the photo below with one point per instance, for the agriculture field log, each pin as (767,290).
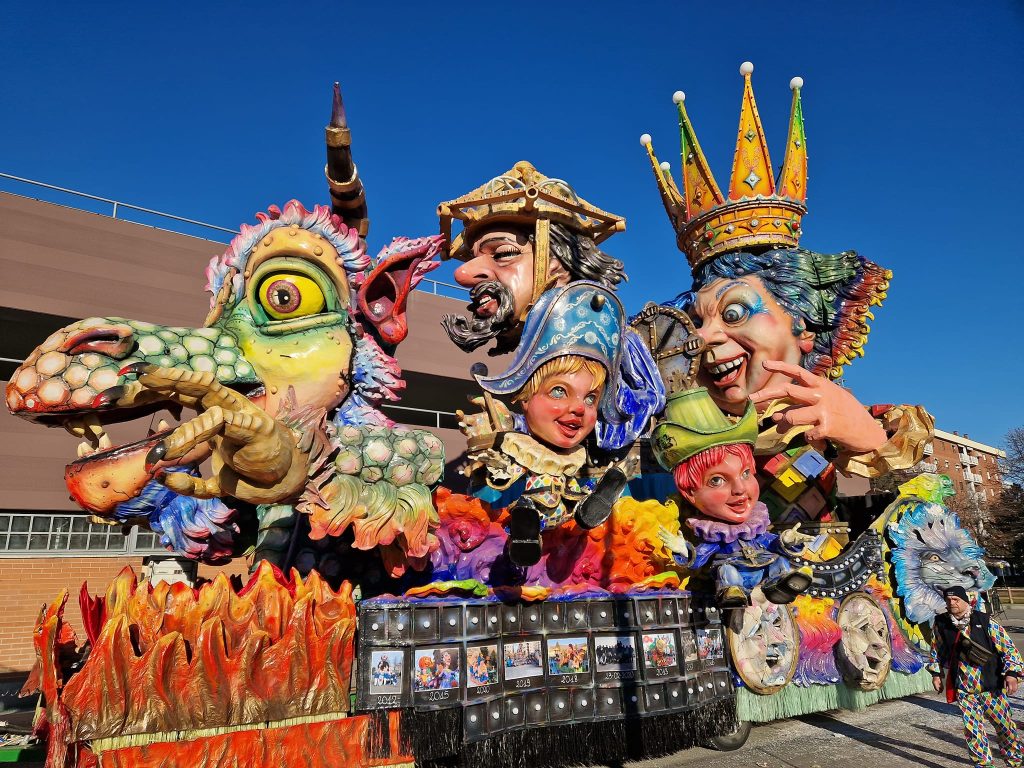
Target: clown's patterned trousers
(975,708)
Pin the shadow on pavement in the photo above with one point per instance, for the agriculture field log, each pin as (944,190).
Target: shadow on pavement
(935,706)
(956,741)
(886,744)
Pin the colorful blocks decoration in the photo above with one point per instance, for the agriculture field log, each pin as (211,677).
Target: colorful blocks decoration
(776,506)
(810,463)
(812,502)
(789,484)
(827,480)
(793,514)
(775,464)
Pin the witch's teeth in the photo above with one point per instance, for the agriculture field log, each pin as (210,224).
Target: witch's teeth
(162,425)
(75,427)
(84,449)
(105,443)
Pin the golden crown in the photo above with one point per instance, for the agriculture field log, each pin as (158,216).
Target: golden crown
(757,211)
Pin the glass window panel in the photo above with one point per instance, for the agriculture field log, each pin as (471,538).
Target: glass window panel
(79,541)
(59,542)
(20,523)
(18,542)
(40,523)
(38,541)
(79,524)
(61,523)
(5,522)
(97,540)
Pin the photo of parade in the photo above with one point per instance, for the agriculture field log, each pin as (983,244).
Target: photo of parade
(709,644)
(689,648)
(660,650)
(386,671)
(523,659)
(436,669)
(615,653)
(481,665)
(568,656)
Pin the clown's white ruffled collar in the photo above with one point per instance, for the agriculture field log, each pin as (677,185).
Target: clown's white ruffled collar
(718,531)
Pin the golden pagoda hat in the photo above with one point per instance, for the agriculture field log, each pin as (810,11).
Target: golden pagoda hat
(692,423)
(526,196)
(758,212)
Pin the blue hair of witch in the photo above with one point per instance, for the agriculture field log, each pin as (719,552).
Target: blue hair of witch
(817,290)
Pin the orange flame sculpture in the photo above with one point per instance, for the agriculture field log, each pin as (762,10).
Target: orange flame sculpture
(234,672)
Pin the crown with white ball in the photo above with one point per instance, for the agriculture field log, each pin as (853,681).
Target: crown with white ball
(758,211)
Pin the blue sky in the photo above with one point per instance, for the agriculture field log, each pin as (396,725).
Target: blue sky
(914,114)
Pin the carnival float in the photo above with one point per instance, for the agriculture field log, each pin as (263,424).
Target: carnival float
(649,551)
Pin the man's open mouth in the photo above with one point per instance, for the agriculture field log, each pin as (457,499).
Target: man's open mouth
(724,373)
(485,303)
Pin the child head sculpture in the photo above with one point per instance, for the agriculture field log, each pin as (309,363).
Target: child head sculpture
(560,400)
(571,344)
(709,455)
(720,482)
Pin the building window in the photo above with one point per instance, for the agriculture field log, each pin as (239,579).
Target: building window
(24,534)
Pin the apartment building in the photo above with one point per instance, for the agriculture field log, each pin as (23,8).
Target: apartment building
(971,465)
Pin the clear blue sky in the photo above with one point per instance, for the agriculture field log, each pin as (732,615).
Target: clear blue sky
(914,117)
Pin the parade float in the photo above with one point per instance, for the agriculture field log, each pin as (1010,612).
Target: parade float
(649,551)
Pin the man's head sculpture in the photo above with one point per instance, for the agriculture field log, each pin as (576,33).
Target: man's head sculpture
(522,234)
(756,295)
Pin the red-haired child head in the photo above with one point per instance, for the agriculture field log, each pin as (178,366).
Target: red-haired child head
(720,482)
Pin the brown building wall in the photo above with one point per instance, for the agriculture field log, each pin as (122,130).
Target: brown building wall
(27,584)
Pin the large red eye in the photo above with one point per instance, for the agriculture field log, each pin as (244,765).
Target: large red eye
(284,296)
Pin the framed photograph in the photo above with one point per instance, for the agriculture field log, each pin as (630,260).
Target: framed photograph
(615,657)
(710,647)
(483,676)
(437,676)
(569,660)
(660,654)
(689,650)
(384,682)
(523,664)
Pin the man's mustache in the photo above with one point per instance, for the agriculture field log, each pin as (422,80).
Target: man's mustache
(473,332)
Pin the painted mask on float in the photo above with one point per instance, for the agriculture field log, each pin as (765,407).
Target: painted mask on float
(562,411)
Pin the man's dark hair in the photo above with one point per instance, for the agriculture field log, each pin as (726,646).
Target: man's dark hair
(582,259)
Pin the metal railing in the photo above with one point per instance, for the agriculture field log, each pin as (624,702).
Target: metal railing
(116,204)
(436,414)
(446,289)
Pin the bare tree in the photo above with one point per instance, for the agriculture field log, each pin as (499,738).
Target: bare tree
(1013,464)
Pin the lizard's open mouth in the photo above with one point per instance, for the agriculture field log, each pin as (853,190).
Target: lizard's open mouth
(111,465)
